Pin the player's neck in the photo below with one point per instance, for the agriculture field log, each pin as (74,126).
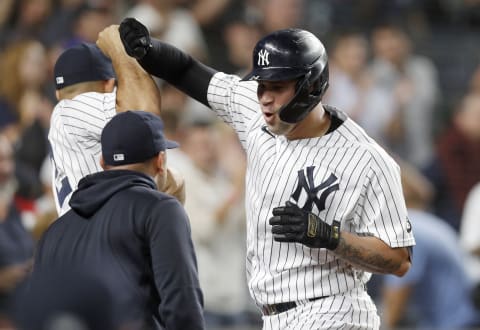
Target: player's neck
(316,124)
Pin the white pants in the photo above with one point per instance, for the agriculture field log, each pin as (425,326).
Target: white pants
(349,310)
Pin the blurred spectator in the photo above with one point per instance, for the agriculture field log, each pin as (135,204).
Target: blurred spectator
(173,24)
(16,244)
(215,205)
(436,292)
(24,62)
(474,85)
(90,20)
(240,36)
(368,14)
(27,20)
(59,26)
(351,85)
(281,14)
(455,169)
(76,21)
(25,110)
(411,81)
(6,8)
(469,233)
(469,229)
(207,12)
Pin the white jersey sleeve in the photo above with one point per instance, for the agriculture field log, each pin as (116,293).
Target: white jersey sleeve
(235,102)
(383,211)
(75,129)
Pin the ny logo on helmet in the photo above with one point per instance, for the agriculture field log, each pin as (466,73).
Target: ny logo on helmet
(263,57)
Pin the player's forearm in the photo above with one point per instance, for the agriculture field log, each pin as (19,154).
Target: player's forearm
(372,255)
(136,89)
(179,69)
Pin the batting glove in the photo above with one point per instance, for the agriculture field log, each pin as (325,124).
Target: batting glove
(135,38)
(292,224)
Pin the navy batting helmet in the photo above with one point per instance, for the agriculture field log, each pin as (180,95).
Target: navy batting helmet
(293,54)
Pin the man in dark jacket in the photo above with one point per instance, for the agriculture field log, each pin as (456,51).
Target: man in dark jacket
(133,236)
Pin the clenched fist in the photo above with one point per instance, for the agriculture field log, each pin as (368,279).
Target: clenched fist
(135,38)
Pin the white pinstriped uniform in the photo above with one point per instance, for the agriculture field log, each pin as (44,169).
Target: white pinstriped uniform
(361,188)
(75,129)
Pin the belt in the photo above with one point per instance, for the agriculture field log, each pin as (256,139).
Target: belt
(283,307)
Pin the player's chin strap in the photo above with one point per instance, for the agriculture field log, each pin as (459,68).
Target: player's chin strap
(301,103)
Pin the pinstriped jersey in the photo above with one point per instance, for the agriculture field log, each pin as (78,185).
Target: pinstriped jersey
(75,129)
(344,175)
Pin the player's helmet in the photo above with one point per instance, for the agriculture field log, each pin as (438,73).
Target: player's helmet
(293,54)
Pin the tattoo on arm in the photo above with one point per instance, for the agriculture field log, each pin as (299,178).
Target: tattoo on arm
(368,260)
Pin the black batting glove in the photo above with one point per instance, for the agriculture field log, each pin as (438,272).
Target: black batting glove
(292,224)
(135,38)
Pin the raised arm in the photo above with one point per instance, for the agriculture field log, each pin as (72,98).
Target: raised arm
(136,90)
(166,61)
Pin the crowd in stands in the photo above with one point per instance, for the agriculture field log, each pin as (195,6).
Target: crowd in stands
(407,71)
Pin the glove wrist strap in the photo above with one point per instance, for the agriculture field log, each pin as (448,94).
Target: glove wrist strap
(334,235)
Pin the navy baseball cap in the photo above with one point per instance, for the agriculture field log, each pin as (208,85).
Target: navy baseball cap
(133,137)
(81,63)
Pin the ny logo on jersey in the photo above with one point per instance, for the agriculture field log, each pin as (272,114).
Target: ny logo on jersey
(307,185)
(263,57)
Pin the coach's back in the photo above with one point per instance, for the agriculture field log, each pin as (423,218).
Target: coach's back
(133,236)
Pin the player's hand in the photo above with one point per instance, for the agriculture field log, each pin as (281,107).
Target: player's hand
(175,185)
(135,38)
(292,224)
(109,42)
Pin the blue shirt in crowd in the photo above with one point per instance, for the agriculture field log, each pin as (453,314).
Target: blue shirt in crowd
(441,294)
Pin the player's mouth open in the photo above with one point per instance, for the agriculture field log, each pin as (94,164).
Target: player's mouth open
(268,116)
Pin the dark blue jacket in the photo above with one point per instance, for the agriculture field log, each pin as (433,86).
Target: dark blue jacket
(137,238)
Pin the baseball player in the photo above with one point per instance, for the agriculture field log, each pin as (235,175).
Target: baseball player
(324,201)
(86,88)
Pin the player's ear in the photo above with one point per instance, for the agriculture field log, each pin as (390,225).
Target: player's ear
(109,85)
(161,163)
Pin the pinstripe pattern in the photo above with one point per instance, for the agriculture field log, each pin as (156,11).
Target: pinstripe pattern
(350,310)
(75,129)
(369,199)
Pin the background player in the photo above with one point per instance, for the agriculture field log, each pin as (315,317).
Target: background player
(86,90)
(335,195)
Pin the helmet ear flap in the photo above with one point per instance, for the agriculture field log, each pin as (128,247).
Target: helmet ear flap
(308,93)
(301,103)
(323,81)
